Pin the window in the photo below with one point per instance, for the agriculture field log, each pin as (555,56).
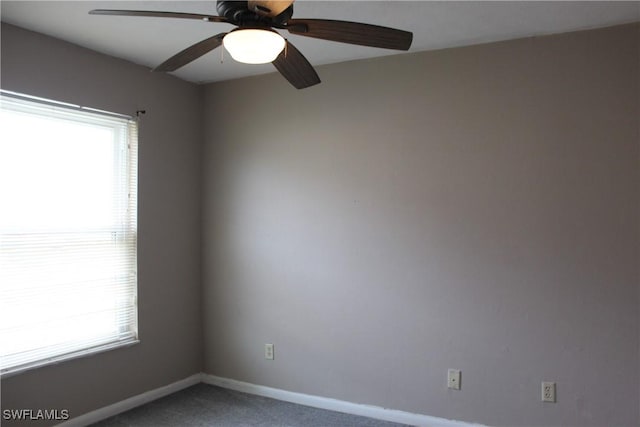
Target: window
(68,231)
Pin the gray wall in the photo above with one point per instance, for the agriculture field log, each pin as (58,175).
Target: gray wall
(169,221)
(473,208)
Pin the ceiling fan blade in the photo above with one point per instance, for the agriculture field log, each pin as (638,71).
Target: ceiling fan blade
(295,68)
(352,33)
(269,7)
(154,14)
(191,53)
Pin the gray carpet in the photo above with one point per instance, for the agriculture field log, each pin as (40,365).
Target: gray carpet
(206,405)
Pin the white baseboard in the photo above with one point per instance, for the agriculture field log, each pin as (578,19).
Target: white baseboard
(130,403)
(370,411)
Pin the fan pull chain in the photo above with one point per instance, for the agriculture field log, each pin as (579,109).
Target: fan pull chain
(222,55)
(286,45)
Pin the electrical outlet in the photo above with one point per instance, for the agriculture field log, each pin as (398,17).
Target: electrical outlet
(453,379)
(548,391)
(268,351)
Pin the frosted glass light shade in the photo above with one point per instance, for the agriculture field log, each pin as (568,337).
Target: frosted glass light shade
(253,46)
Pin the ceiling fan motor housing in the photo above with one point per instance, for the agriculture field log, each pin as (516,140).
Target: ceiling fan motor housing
(238,12)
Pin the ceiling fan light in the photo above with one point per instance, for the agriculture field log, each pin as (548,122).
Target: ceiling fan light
(253,46)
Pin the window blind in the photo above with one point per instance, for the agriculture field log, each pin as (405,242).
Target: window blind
(68,232)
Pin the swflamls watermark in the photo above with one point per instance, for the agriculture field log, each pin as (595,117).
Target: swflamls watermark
(35,414)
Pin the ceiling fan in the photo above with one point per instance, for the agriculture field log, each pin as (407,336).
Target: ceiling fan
(255,41)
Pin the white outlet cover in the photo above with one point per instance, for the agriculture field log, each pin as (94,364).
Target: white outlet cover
(548,391)
(268,351)
(453,379)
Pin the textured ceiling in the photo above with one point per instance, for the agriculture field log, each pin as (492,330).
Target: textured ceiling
(436,25)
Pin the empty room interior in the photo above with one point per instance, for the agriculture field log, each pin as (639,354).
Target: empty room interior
(446,234)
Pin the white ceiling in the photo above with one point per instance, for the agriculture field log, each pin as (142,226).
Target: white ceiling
(436,25)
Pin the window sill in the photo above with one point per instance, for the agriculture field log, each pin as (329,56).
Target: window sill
(9,372)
